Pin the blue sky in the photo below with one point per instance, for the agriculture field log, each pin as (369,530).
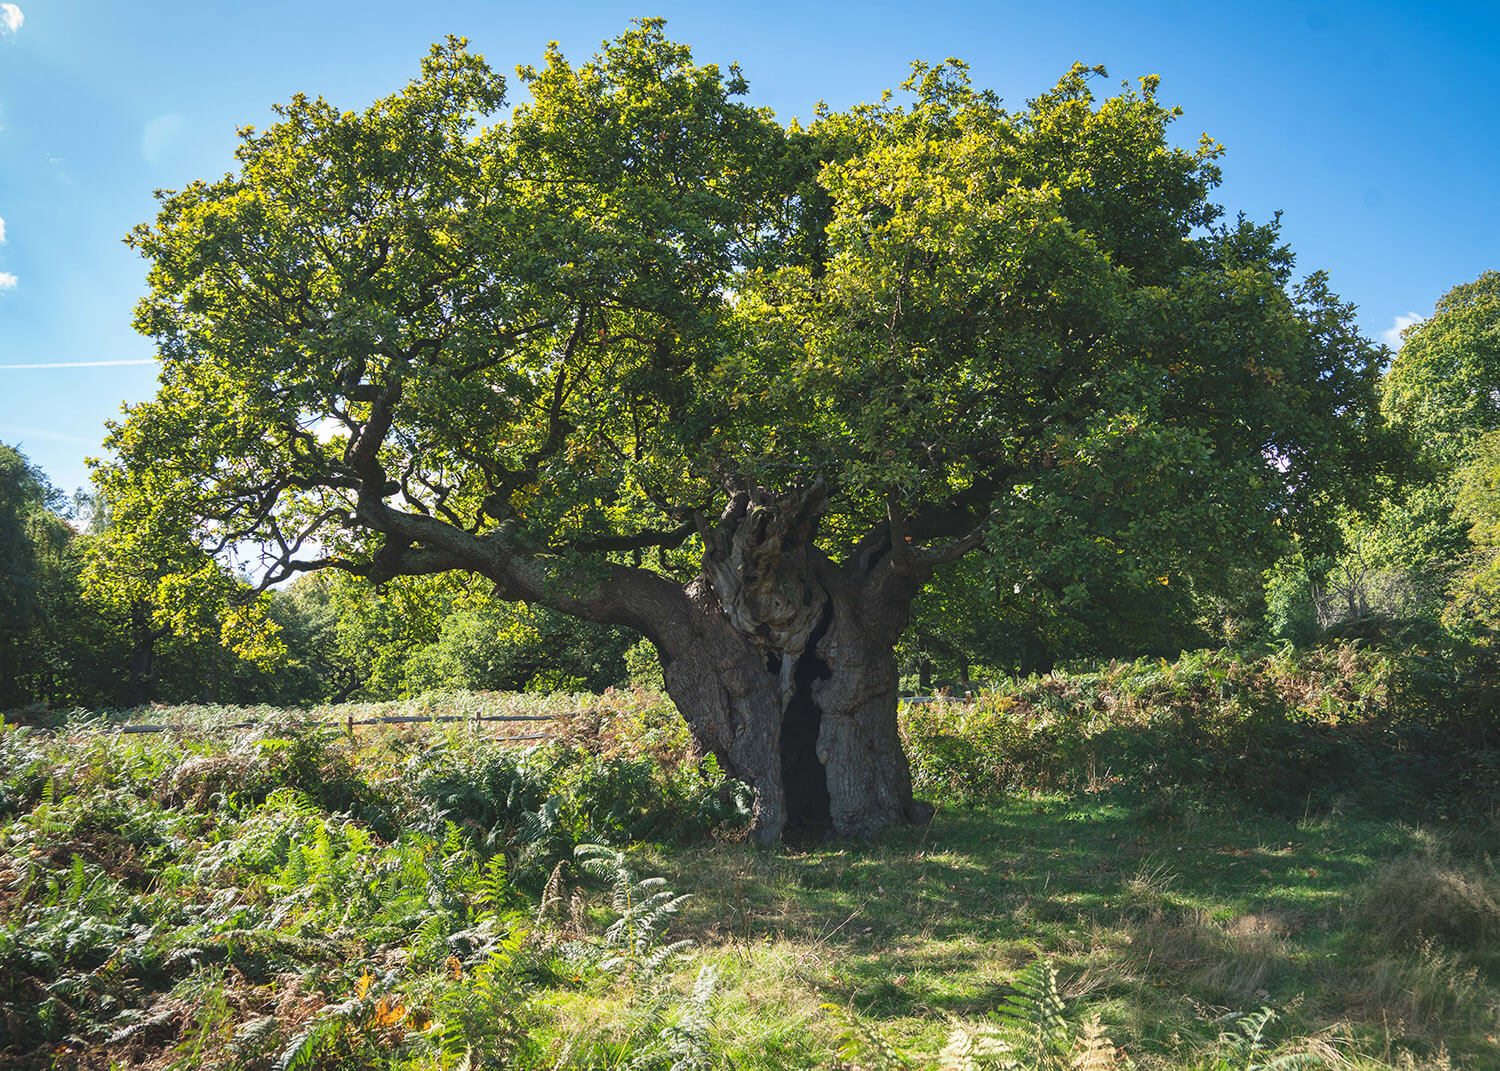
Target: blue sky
(1371,126)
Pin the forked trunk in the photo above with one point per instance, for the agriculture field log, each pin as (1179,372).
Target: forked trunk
(781,661)
(787,673)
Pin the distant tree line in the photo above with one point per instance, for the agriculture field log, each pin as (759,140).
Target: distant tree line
(68,640)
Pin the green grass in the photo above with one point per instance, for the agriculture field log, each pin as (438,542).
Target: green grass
(411,899)
(1162,929)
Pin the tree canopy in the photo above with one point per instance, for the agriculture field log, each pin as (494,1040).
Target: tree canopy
(1428,552)
(641,354)
(1443,389)
(1444,385)
(25,496)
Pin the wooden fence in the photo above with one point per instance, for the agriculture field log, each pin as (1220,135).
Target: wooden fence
(351,723)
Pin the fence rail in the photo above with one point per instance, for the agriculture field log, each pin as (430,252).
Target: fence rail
(353,723)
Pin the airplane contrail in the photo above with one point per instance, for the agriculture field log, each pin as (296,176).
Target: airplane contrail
(77,364)
(42,433)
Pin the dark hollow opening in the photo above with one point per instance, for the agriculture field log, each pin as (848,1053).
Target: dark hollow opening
(803,777)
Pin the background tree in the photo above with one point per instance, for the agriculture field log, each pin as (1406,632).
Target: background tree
(1430,541)
(435,633)
(67,640)
(31,542)
(1475,589)
(1444,385)
(491,645)
(1443,389)
(143,568)
(641,356)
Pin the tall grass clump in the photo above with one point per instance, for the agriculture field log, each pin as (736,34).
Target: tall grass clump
(1430,898)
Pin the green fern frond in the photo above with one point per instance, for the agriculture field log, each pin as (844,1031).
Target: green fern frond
(140,1024)
(644,908)
(689,1042)
(539,825)
(627,893)
(494,884)
(1036,1005)
(430,941)
(1246,1044)
(863,1045)
(661,957)
(1292,1061)
(453,839)
(250,1039)
(303,1050)
(452,1043)
(601,861)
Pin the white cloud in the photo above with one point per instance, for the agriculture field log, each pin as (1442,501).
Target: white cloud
(2,228)
(1392,335)
(10,18)
(7,281)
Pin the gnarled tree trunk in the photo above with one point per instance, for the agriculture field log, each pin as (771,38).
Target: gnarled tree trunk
(787,671)
(780,660)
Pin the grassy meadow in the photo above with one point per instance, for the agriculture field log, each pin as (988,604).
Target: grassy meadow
(1219,863)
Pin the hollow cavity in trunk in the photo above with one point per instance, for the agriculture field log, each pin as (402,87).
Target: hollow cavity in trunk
(803,775)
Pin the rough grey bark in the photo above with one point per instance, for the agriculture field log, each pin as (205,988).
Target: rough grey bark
(811,726)
(869,781)
(720,685)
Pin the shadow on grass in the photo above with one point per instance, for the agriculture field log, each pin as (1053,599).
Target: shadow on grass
(1000,874)
(1235,910)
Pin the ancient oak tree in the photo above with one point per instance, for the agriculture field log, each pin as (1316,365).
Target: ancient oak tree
(636,352)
